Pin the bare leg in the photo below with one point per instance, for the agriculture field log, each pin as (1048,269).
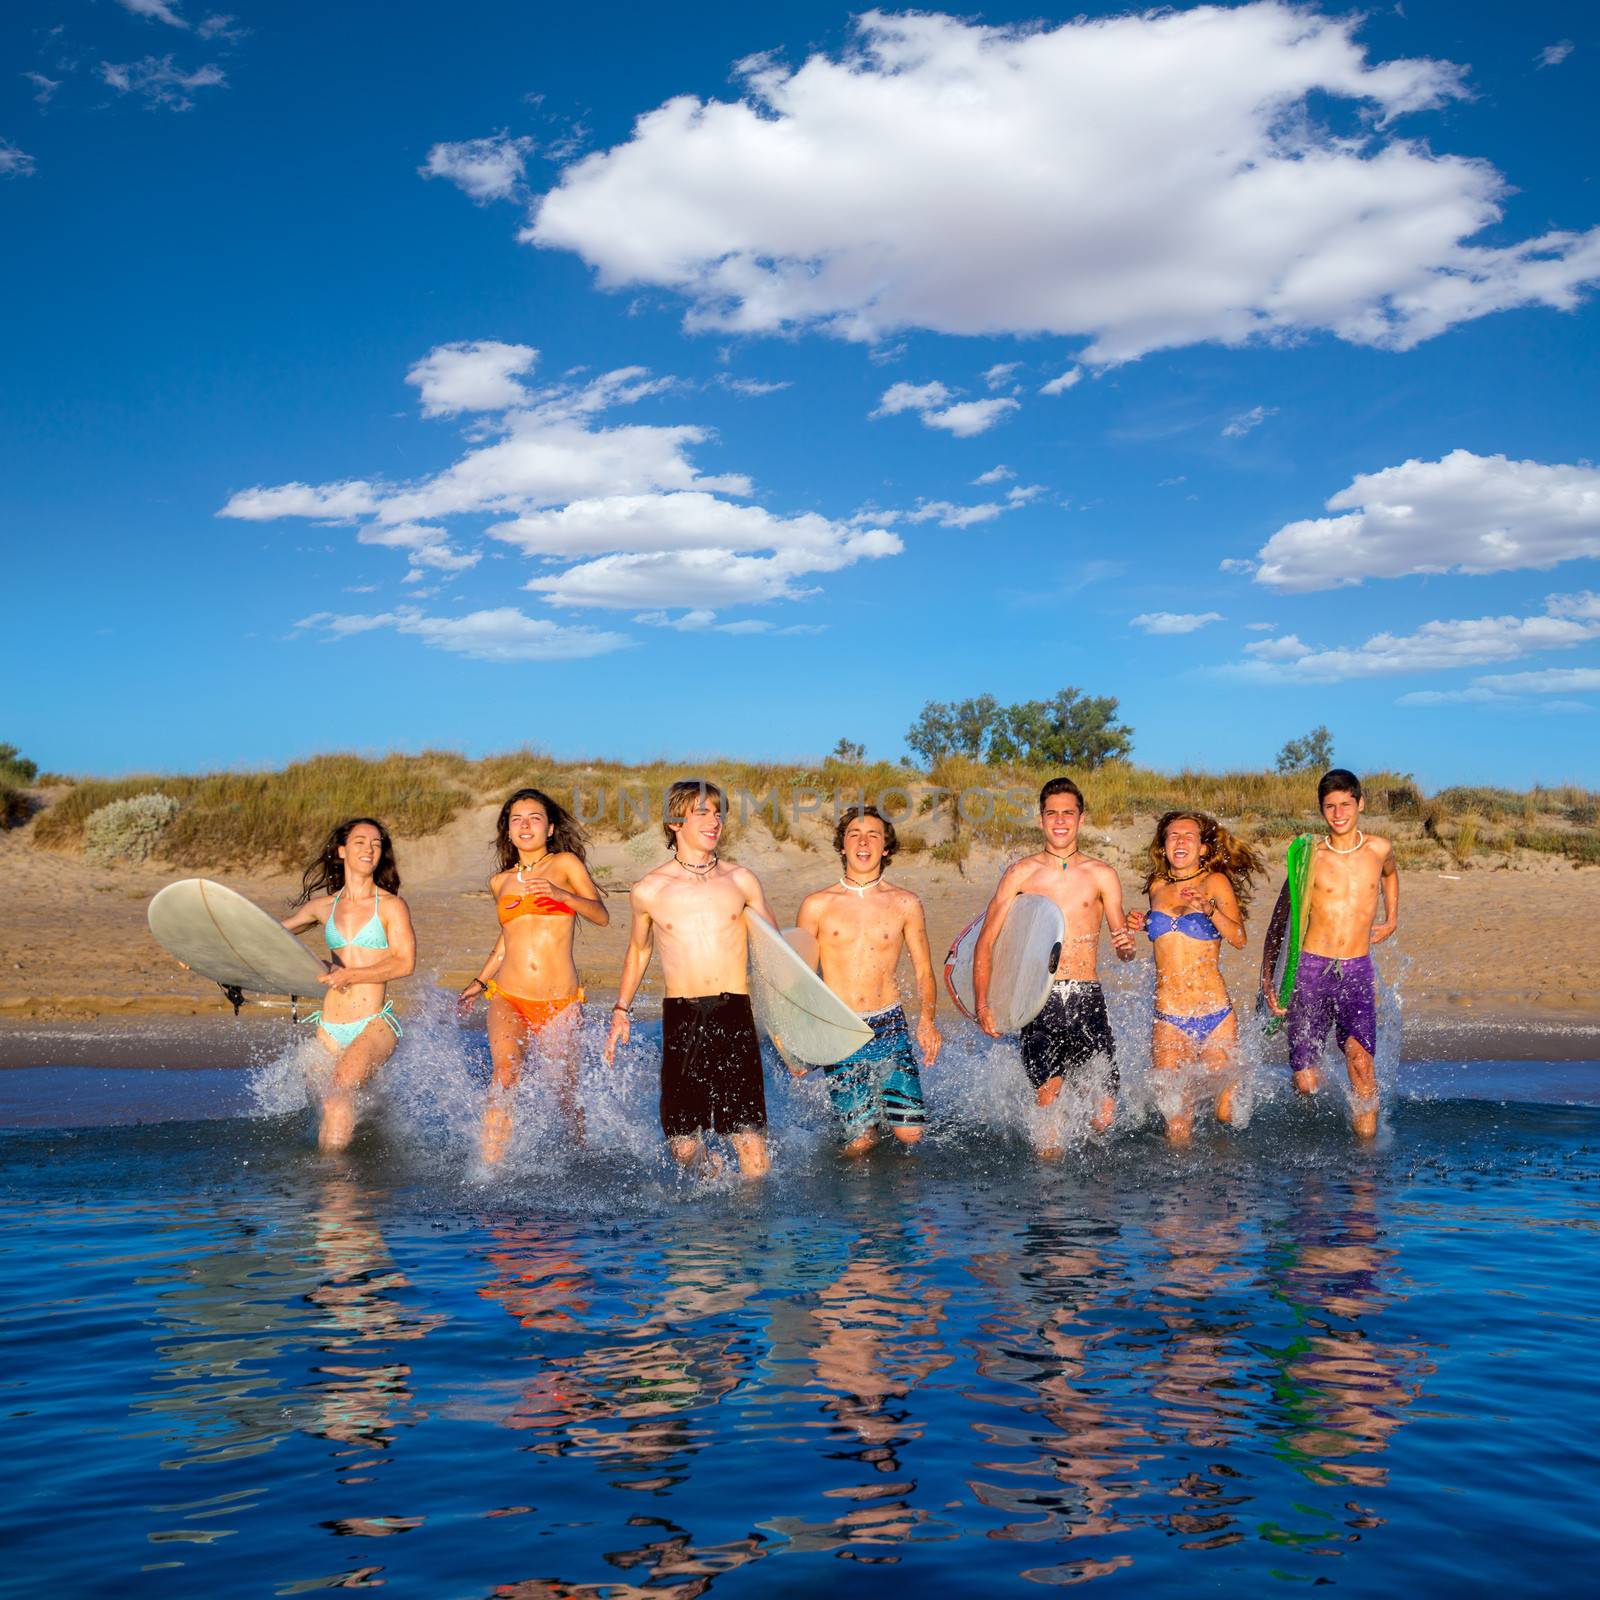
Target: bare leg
(508,1044)
(560,1042)
(861,1144)
(1363,1090)
(1049,1093)
(908,1136)
(751,1149)
(1220,1058)
(355,1064)
(1169,1055)
(692,1152)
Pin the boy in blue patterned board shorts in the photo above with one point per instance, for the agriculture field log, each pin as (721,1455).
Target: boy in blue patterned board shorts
(862,926)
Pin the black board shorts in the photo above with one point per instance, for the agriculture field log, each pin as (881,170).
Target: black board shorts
(710,1067)
(1069,1033)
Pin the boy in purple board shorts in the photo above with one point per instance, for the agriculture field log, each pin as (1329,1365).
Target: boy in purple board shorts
(1334,985)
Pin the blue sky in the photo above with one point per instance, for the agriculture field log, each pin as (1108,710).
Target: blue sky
(484,375)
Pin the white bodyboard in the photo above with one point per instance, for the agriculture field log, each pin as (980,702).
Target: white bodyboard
(795,1008)
(225,937)
(1025,957)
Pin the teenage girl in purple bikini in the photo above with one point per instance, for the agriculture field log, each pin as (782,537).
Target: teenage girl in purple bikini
(1198,880)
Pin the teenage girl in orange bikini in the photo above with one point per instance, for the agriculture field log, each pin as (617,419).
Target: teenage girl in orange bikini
(352,889)
(531,980)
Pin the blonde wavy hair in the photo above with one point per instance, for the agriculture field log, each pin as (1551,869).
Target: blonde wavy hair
(1221,852)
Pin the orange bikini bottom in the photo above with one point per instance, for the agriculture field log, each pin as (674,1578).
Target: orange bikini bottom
(538,1014)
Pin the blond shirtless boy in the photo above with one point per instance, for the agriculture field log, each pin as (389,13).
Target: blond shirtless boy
(1335,985)
(693,908)
(862,925)
(1073,1029)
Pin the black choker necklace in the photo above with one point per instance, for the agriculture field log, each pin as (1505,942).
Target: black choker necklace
(1198,872)
(1062,859)
(699,871)
(846,882)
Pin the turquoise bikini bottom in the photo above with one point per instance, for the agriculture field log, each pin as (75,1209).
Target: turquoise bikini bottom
(345,1034)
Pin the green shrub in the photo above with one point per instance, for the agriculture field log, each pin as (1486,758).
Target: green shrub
(16,771)
(128,830)
(14,807)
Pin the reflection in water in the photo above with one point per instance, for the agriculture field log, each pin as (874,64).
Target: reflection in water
(1196,1370)
(1069,1456)
(1343,1393)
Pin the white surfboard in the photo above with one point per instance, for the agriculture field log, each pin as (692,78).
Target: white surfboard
(794,1006)
(225,937)
(1025,957)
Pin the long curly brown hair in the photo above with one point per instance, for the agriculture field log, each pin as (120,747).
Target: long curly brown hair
(565,832)
(325,875)
(1221,853)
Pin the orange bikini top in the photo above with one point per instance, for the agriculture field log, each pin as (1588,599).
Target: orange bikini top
(531,905)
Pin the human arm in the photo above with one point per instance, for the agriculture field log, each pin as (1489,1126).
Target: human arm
(641,946)
(1221,904)
(994,919)
(1116,918)
(578,894)
(1277,931)
(916,934)
(754,896)
(310,915)
(398,961)
(1389,887)
(473,990)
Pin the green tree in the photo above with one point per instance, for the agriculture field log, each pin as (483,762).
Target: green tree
(15,768)
(962,728)
(1313,753)
(1071,729)
(848,753)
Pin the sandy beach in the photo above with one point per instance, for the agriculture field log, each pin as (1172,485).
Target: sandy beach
(1482,971)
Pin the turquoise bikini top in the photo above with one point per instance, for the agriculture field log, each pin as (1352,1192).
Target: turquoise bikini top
(369,937)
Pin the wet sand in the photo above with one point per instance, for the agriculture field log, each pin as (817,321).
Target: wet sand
(1480,959)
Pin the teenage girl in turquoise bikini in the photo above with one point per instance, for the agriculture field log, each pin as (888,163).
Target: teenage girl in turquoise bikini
(1198,879)
(352,889)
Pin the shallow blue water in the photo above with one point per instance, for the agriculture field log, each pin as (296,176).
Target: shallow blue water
(233,1367)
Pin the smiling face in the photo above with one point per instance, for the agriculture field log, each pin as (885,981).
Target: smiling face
(1182,847)
(1341,810)
(864,843)
(362,849)
(1060,817)
(701,826)
(528,828)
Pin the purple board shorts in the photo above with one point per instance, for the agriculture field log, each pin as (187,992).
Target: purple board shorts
(1329,991)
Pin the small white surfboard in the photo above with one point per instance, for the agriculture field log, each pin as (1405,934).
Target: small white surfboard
(224,937)
(1025,957)
(797,1010)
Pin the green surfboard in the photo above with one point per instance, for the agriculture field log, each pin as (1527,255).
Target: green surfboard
(1285,961)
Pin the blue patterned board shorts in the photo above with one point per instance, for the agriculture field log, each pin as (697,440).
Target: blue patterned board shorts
(880,1085)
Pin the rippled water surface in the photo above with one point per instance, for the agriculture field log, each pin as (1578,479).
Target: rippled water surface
(234,1367)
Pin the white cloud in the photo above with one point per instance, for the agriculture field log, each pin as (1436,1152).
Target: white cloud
(948,515)
(480,376)
(704,578)
(753,387)
(1237,427)
(1143,182)
(160,82)
(332,502)
(1464,513)
(484,169)
(219,25)
(1019,494)
(1554,54)
(1436,646)
(900,397)
(645,528)
(1060,385)
(706,622)
(154,11)
(1000,373)
(1166,622)
(503,634)
(1259,627)
(44,86)
(15,163)
(1552,680)
(933,402)
(994,475)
